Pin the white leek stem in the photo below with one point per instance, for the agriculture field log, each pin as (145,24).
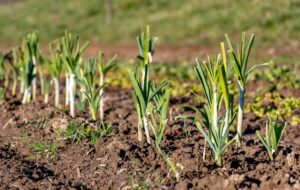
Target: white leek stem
(26,96)
(34,79)
(67,90)
(56,84)
(145,121)
(101,96)
(72,95)
(215,118)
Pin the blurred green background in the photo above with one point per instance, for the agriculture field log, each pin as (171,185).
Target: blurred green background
(174,21)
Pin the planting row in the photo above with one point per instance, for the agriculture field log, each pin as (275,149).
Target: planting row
(85,81)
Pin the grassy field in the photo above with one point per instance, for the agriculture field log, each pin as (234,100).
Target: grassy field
(176,22)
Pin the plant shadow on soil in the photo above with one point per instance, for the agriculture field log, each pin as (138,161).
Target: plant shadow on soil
(121,162)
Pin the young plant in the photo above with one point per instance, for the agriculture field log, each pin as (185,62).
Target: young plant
(212,76)
(16,71)
(103,69)
(143,91)
(1,94)
(239,60)
(55,67)
(91,91)
(2,66)
(72,57)
(159,119)
(32,47)
(4,72)
(46,91)
(28,77)
(44,149)
(274,132)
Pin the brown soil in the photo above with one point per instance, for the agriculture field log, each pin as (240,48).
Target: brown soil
(121,162)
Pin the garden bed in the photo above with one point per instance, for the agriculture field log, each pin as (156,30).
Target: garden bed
(121,162)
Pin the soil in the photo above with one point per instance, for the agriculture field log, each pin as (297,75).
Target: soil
(121,162)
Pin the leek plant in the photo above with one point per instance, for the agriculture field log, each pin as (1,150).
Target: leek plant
(46,90)
(55,67)
(4,73)
(274,132)
(28,77)
(1,94)
(239,61)
(212,76)
(72,57)
(32,47)
(159,119)
(143,91)
(91,91)
(15,71)
(2,66)
(103,69)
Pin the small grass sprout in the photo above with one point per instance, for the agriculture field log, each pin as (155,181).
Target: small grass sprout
(78,132)
(274,132)
(239,61)
(44,149)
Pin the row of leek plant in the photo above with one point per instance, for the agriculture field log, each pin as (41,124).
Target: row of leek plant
(66,57)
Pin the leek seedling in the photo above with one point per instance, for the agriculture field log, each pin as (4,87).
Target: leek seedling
(32,46)
(91,92)
(1,94)
(28,77)
(55,67)
(239,61)
(158,124)
(4,73)
(142,86)
(72,57)
(274,132)
(103,69)
(212,76)
(16,71)
(46,90)
(2,66)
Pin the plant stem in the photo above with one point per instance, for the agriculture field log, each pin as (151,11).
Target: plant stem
(42,82)
(26,96)
(56,84)
(46,97)
(72,96)
(140,132)
(14,87)
(93,113)
(219,160)
(215,116)
(101,96)
(6,80)
(146,127)
(240,115)
(67,101)
(34,80)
